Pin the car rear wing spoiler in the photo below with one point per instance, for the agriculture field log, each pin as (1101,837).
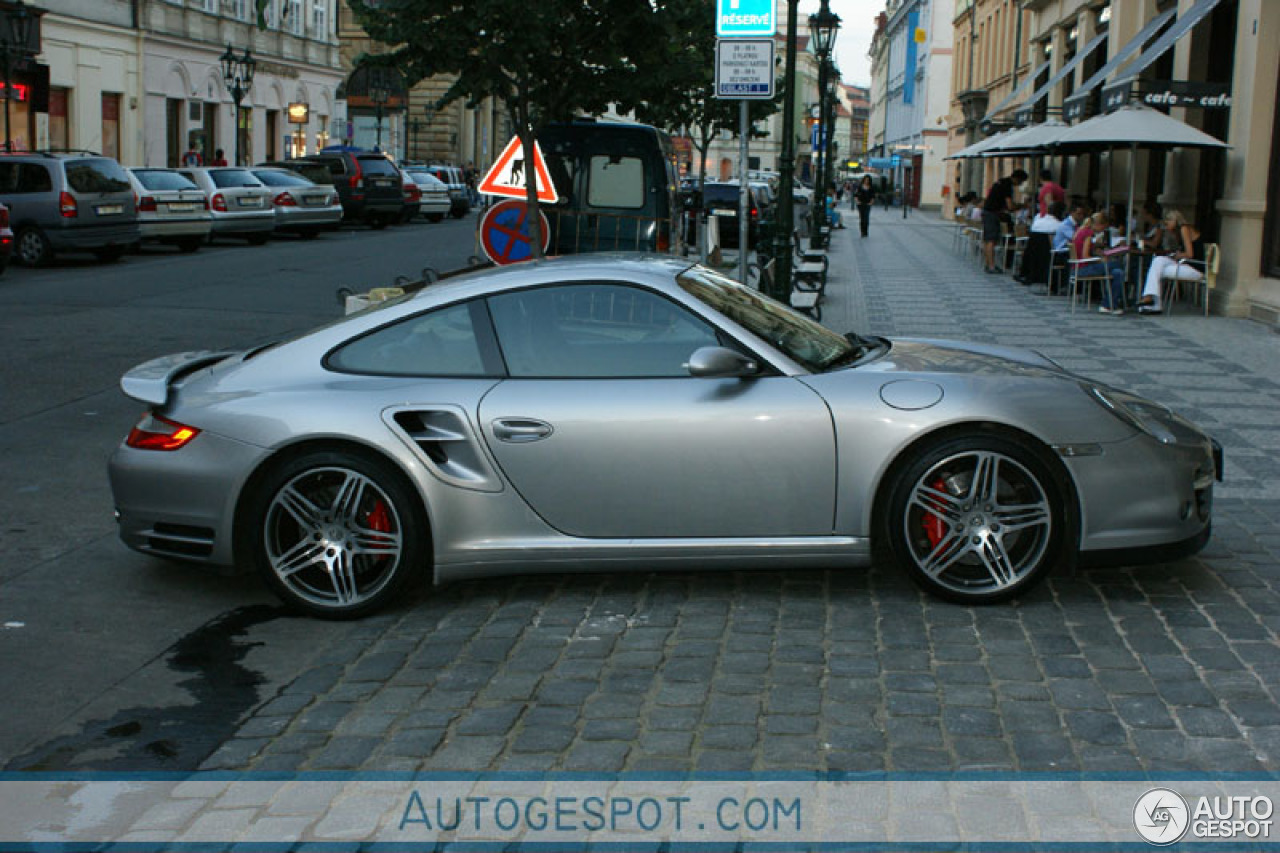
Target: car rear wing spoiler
(149,382)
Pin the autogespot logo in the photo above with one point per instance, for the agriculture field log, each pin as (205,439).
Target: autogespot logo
(1161,816)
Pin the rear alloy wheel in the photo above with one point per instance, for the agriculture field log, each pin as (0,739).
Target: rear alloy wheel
(34,249)
(976,520)
(337,535)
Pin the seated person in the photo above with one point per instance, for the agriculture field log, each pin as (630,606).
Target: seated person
(1050,222)
(1067,230)
(834,219)
(1174,266)
(1088,243)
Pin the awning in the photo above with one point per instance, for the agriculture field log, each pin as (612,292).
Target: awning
(1074,106)
(1194,16)
(976,149)
(1018,92)
(1028,140)
(1026,106)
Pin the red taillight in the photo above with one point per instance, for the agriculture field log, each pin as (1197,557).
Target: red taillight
(664,241)
(754,213)
(4,217)
(156,433)
(147,203)
(67,205)
(333,199)
(412,193)
(357,177)
(219,202)
(285,200)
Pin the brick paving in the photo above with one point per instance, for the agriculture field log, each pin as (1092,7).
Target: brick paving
(1163,668)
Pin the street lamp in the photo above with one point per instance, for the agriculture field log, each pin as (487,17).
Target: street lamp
(823,25)
(17,35)
(380,94)
(237,74)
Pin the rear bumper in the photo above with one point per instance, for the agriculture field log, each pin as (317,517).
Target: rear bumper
(175,229)
(293,218)
(89,237)
(244,223)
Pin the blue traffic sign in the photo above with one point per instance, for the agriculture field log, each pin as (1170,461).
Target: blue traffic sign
(738,18)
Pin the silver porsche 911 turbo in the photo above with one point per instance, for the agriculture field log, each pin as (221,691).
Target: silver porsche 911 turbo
(627,412)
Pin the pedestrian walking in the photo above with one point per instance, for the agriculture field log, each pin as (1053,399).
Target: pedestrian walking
(864,197)
(192,158)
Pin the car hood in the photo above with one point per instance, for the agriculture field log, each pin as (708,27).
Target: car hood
(923,355)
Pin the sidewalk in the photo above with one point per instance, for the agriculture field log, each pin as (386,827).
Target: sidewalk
(905,279)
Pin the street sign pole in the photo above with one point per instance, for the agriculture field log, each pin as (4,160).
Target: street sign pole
(744,71)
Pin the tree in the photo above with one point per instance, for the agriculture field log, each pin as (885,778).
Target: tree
(542,61)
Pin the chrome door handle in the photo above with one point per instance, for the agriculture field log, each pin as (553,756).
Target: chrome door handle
(520,430)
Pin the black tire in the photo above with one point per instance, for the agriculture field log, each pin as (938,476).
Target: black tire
(977,519)
(377,222)
(435,217)
(109,254)
(294,512)
(457,213)
(31,247)
(257,239)
(310,234)
(190,244)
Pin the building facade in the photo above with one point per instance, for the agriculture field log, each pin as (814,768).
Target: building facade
(1209,63)
(912,58)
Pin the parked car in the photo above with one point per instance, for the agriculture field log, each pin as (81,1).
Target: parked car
(617,184)
(602,412)
(459,197)
(435,202)
(316,172)
(412,197)
(301,207)
(172,209)
(721,201)
(239,203)
(6,239)
(68,203)
(368,183)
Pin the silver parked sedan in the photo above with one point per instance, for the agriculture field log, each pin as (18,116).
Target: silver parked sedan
(632,412)
(171,208)
(301,206)
(239,203)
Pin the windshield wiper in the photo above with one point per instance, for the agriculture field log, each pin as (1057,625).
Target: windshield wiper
(860,346)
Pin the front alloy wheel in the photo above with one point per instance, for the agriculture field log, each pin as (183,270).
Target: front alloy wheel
(339,535)
(977,520)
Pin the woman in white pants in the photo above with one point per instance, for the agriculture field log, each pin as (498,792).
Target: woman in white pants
(1191,248)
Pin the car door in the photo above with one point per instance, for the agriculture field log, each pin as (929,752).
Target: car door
(605,434)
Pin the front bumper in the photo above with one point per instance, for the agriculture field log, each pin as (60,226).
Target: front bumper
(1141,496)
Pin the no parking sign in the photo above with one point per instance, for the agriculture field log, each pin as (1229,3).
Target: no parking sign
(504,232)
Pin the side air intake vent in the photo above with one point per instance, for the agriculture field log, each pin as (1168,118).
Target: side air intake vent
(449,444)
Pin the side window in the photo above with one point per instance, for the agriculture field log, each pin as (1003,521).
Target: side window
(438,343)
(616,182)
(30,178)
(336,167)
(596,330)
(8,177)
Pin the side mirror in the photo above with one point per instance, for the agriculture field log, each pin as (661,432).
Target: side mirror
(720,363)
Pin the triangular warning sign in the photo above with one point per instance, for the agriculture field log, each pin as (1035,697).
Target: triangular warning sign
(506,177)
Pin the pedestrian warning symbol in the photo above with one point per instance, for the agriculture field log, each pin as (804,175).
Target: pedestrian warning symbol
(508,175)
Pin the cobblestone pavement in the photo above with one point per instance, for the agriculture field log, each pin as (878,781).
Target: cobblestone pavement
(1166,668)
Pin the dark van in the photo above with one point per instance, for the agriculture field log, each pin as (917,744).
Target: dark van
(618,186)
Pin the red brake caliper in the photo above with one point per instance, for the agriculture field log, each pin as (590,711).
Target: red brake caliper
(379,518)
(934,525)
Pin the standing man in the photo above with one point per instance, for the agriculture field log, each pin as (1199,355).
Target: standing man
(1050,192)
(998,206)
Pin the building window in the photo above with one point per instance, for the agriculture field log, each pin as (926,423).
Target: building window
(322,135)
(238,9)
(320,19)
(111,124)
(59,130)
(292,20)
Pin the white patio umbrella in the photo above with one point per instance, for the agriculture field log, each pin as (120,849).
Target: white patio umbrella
(976,149)
(1133,126)
(1027,139)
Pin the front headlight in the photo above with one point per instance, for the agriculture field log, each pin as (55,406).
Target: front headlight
(1154,419)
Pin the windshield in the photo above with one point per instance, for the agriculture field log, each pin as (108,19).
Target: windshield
(159,179)
(803,340)
(281,179)
(229,178)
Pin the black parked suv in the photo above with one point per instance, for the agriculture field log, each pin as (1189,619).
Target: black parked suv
(68,202)
(368,183)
